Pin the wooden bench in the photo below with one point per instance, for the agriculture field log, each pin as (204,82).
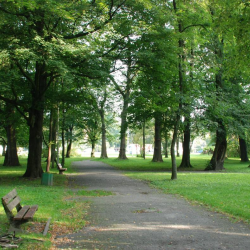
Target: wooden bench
(24,213)
(60,168)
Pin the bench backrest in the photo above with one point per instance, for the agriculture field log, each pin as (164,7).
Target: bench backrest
(11,201)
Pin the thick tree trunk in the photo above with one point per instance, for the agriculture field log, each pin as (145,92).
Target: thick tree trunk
(217,161)
(122,153)
(92,149)
(185,163)
(219,154)
(243,150)
(157,147)
(34,167)
(69,146)
(35,122)
(104,146)
(11,157)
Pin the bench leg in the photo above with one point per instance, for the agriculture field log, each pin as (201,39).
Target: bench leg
(15,226)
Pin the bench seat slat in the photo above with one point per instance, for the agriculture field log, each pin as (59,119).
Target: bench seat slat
(61,168)
(30,213)
(8,197)
(21,213)
(13,203)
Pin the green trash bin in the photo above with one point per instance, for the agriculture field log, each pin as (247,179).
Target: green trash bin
(47,179)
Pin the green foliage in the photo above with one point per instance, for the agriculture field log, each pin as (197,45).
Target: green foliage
(76,47)
(233,147)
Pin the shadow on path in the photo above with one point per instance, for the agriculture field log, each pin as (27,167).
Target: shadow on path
(139,217)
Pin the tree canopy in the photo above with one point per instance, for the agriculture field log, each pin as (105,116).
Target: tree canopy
(182,63)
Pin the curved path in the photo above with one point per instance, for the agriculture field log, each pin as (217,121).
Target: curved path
(139,217)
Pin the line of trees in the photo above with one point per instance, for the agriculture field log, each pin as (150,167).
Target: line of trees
(64,66)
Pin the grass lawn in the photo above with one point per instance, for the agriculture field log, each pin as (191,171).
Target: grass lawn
(226,192)
(67,216)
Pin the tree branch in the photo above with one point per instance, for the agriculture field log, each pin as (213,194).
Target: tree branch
(194,25)
(117,87)
(24,73)
(4,141)
(27,15)
(52,78)
(111,16)
(15,104)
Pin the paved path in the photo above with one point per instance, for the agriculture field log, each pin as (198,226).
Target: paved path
(139,217)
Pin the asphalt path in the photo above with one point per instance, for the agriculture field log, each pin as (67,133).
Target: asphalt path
(140,217)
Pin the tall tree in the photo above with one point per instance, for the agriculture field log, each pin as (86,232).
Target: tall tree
(217,160)
(124,87)
(100,101)
(9,122)
(243,150)
(139,113)
(35,37)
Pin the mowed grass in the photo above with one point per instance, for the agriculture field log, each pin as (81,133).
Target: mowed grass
(199,163)
(227,191)
(53,201)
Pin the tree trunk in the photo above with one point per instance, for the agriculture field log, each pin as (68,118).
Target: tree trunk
(69,146)
(11,157)
(54,130)
(50,142)
(104,146)
(181,74)
(243,150)
(92,149)
(48,159)
(69,142)
(35,122)
(177,146)
(185,163)
(122,153)
(143,141)
(157,148)
(63,139)
(166,144)
(34,167)
(217,161)
(174,139)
